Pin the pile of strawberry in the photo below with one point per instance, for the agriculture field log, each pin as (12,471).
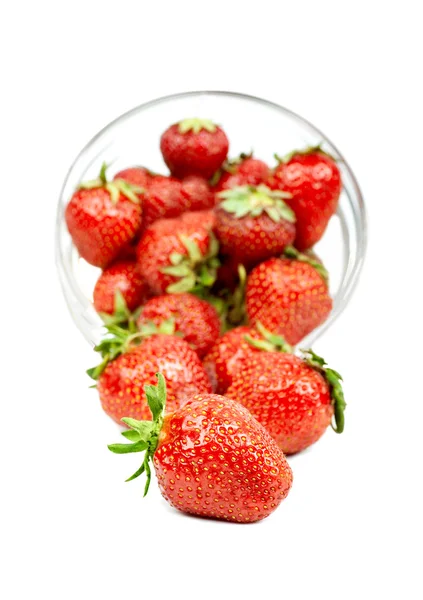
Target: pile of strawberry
(208,280)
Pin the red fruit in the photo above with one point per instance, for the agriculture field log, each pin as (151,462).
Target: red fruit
(163,199)
(195,319)
(293,398)
(102,218)
(121,382)
(211,457)
(314,182)
(194,147)
(197,193)
(243,171)
(120,277)
(253,223)
(138,176)
(231,353)
(288,297)
(176,255)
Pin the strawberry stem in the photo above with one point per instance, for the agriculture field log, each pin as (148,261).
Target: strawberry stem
(333,379)
(144,435)
(270,342)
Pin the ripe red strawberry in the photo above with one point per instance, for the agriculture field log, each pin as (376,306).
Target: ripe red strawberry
(211,457)
(289,297)
(197,193)
(232,351)
(195,319)
(314,182)
(102,218)
(127,367)
(293,398)
(253,223)
(178,255)
(194,147)
(121,277)
(244,170)
(138,176)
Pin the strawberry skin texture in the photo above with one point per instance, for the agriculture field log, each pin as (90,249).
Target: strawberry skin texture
(192,153)
(195,319)
(161,239)
(98,227)
(250,171)
(252,239)
(197,193)
(287,396)
(121,385)
(288,297)
(315,183)
(139,176)
(228,356)
(215,460)
(121,276)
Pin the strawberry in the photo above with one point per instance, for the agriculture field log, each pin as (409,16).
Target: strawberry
(179,255)
(231,352)
(197,193)
(313,179)
(289,296)
(211,457)
(244,170)
(138,176)
(126,367)
(195,319)
(119,282)
(102,218)
(293,397)
(194,147)
(253,223)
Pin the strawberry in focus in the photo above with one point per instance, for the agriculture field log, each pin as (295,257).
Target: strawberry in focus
(244,170)
(293,398)
(211,457)
(195,319)
(103,217)
(131,360)
(122,277)
(253,223)
(231,352)
(288,296)
(179,255)
(194,147)
(314,181)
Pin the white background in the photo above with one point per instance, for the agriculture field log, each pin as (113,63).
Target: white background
(352,525)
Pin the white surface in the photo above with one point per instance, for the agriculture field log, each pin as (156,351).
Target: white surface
(352,525)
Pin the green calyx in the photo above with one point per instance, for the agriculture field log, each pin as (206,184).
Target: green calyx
(143,436)
(254,200)
(196,125)
(116,188)
(229,166)
(270,342)
(195,272)
(121,314)
(119,341)
(303,152)
(309,258)
(333,379)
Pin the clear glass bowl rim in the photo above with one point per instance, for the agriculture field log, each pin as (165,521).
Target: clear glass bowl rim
(349,283)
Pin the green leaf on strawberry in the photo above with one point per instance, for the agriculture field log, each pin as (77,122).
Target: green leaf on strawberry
(196,125)
(254,200)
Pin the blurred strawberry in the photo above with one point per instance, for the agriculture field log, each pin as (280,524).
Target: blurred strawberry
(102,217)
(194,147)
(119,282)
(195,319)
(179,255)
(253,223)
(314,181)
(244,170)
(288,296)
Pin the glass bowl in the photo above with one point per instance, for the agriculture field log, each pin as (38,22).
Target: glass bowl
(251,124)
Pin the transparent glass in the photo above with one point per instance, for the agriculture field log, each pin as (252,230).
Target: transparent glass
(251,124)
